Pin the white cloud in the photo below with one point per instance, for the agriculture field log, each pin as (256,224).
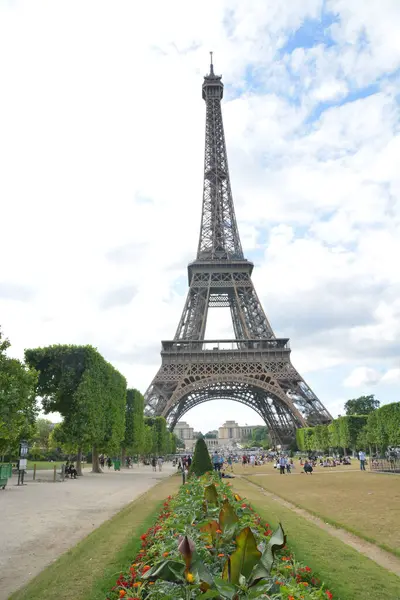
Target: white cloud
(362,376)
(101,153)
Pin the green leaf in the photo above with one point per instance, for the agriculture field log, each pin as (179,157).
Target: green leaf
(168,570)
(211,494)
(263,568)
(210,594)
(244,559)
(225,589)
(227,519)
(199,568)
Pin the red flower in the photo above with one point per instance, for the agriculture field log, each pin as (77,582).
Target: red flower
(329,594)
(308,569)
(145,569)
(144,536)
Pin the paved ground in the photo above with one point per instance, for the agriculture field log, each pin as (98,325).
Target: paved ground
(41,520)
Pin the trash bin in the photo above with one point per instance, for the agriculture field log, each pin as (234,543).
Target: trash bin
(5,474)
(117,464)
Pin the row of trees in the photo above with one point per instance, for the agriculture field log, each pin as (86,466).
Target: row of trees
(99,413)
(379,429)
(18,408)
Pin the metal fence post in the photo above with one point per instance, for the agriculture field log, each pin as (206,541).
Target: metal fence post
(54,473)
(34,472)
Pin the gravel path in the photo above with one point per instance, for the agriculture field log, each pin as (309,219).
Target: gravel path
(40,521)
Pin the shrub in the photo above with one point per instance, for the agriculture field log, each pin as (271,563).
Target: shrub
(201,459)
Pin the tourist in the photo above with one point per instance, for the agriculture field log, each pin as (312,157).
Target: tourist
(252,460)
(282,465)
(230,462)
(308,468)
(160,463)
(154,463)
(215,461)
(362,458)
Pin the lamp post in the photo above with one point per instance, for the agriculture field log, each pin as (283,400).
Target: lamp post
(22,461)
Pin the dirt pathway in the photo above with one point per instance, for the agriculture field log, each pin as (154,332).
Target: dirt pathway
(40,521)
(381,557)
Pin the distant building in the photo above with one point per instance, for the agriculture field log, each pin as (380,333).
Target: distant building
(185,433)
(231,433)
(228,435)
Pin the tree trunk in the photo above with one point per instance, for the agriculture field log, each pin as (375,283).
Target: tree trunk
(79,462)
(123,457)
(95,461)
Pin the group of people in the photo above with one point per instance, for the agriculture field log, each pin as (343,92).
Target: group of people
(157,462)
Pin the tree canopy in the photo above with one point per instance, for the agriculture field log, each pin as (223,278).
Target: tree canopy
(89,392)
(18,407)
(363,405)
(134,422)
(380,427)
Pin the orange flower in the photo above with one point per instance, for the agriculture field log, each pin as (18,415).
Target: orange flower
(221,555)
(208,546)
(146,568)
(189,577)
(218,531)
(122,593)
(290,597)
(137,584)
(165,553)
(304,583)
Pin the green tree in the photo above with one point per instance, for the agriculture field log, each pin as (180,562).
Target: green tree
(321,437)
(43,429)
(87,391)
(148,445)
(201,462)
(134,424)
(179,444)
(18,407)
(174,443)
(259,436)
(364,405)
(161,433)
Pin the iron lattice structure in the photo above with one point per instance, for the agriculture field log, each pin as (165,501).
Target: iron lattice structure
(254,368)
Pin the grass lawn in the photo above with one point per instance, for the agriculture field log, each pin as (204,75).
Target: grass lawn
(90,569)
(367,504)
(45,465)
(347,573)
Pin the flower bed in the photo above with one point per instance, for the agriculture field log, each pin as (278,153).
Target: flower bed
(209,543)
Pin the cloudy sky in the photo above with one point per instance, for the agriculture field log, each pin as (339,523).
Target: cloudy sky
(101,157)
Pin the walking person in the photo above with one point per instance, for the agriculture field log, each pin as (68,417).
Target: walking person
(282,465)
(154,463)
(216,462)
(160,463)
(362,458)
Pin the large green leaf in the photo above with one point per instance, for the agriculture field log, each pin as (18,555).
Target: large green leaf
(244,559)
(168,570)
(263,568)
(211,494)
(225,589)
(199,568)
(227,519)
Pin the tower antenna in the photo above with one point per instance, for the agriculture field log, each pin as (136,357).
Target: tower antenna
(211,64)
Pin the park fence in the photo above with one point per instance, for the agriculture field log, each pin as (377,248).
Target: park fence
(385,465)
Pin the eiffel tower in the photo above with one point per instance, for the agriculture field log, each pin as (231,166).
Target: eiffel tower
(255,367)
